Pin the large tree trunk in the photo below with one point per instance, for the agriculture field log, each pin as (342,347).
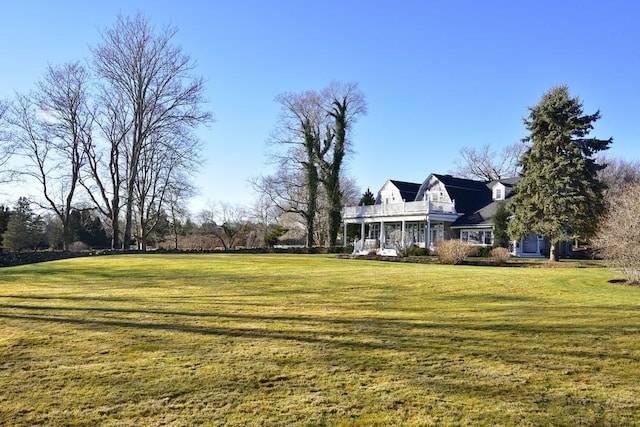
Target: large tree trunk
(126,239)
(554,253)
(115,222)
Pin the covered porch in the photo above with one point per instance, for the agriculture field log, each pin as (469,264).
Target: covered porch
(422,223)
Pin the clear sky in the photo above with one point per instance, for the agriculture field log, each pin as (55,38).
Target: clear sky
(437,75)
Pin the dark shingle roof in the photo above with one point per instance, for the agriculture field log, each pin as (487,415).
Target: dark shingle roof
(469,195)
(483,215)
(408,190)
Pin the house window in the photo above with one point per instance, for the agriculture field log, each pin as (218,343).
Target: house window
(498,194)
(374,231)
(477,237)
(488,237)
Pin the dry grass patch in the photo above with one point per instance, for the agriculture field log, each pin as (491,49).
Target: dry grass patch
(313,340)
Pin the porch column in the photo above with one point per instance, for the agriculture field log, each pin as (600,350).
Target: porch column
(344,234)
(382,235)
(362,235)
(403,230)
(427,234)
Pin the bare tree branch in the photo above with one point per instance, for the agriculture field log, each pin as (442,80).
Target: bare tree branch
(487,165)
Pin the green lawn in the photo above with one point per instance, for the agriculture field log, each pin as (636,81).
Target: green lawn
(314,340)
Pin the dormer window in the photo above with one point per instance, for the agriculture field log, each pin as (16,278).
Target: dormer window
(499,192)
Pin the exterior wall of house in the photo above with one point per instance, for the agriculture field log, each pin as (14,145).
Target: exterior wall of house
(389,194)
(434,190)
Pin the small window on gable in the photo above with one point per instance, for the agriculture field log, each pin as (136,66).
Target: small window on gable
(498,192)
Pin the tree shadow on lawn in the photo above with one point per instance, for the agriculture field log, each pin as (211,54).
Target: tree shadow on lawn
(485,334)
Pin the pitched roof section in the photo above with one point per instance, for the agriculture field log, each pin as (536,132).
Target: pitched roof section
(483,215)
(473,199)
(507,182)
(408,190)
(469,195)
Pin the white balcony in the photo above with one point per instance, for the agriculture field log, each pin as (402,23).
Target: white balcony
(423,207)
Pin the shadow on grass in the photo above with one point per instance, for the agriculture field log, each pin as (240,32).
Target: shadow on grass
(486,334)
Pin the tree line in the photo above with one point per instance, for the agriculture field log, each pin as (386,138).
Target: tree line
(121,131)
(116,138)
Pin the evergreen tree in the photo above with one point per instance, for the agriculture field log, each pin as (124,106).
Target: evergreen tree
(87,228)
(5,213)
(559,195)
(24,229)
(367,198)
(500,226)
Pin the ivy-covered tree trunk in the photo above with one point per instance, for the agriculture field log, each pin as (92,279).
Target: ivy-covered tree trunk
(344,104)
(559,195)
(311,137)
(331,170)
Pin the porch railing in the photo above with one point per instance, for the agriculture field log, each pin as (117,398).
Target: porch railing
(420,207)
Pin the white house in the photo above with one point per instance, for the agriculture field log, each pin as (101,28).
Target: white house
(442,207)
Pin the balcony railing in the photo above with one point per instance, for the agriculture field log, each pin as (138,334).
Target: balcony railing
(414,208)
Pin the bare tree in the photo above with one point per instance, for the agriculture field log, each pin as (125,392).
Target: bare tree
(299,130)
(286,192)
(617,175)
(264,216)
(618,235)
(161,178)
(51,128)
(177,210)
(104,181)
(154,79)
(6,143)
(227,223)
(487,165)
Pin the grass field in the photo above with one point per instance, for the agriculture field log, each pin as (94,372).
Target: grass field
(314,340)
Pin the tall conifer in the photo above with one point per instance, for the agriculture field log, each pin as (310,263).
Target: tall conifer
(559,195)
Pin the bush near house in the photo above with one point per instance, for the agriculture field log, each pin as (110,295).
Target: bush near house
(500,255)
(454,251)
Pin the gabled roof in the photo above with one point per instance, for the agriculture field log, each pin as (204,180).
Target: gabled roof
(469,195)
(408,190)
(507,182)
(483,215)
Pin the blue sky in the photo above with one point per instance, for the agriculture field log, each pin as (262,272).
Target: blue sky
(437,75)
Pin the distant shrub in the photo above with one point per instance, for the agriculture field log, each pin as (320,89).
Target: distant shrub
(415,251)
(454,251)
(484,251)
(402,242)
(500,255)
(78,247)
(340,249)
